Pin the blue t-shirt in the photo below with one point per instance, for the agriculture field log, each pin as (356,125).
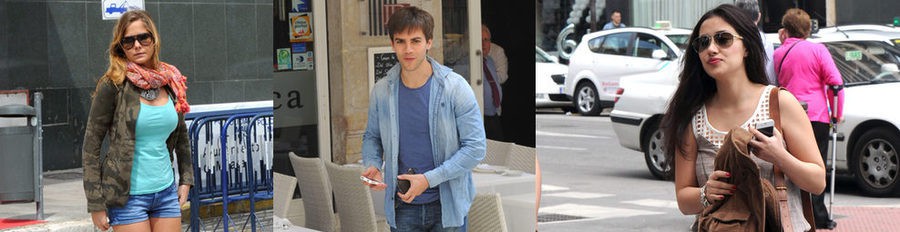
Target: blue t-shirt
(415,136)
(152,168)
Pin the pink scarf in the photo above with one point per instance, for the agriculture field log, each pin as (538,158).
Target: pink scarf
(167,74)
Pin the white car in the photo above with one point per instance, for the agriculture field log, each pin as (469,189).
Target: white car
(548,82)
(602,57)
(868,138)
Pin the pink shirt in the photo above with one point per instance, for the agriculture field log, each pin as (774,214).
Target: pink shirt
(807,73)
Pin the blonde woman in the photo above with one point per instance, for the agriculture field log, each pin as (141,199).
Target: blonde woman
(139,104)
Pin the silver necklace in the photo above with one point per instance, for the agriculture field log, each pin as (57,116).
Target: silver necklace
(150,94)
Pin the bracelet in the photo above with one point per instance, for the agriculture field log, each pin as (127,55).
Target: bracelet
(703,200)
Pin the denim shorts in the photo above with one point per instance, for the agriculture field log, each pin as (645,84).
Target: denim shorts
(162,204)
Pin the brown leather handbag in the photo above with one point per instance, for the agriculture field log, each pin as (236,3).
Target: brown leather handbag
(752,207)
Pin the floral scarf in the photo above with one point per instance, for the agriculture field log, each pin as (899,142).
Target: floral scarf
(167,74)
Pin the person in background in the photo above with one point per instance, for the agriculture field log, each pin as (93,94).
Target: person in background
(500,62)
(139,104)
(751,7)
(493,91)
(723,86)
(436,160)
(806,69)
(615,21)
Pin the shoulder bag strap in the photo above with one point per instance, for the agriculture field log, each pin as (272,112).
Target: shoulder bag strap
(782,63)
(781,193)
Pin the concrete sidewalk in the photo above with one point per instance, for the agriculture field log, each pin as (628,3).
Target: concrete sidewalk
(65,206)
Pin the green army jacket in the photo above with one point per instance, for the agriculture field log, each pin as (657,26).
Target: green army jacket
(114,112)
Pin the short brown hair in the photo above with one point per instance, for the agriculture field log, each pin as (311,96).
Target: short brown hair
(409,18)
(796,23)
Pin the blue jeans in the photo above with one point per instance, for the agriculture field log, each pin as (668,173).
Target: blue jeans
(424,217)
(163,204)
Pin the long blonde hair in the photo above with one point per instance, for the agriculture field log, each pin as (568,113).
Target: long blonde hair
(117,58)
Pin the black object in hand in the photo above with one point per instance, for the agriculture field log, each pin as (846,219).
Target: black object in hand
(766,131)
(765,127)
(403,185)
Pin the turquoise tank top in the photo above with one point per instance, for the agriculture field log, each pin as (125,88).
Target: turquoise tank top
(152,169)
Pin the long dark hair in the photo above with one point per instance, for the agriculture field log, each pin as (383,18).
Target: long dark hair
(696,86)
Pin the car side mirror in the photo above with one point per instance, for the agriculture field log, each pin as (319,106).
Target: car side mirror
(659,54)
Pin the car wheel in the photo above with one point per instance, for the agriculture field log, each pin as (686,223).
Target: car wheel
(587,100)
(875,162)
(654,155)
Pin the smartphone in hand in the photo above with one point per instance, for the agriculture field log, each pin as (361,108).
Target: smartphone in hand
(370,181)
(766,127)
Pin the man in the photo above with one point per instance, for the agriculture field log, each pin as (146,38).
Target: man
(615,21)
(493,93)
(751,7)
(423,119)
(500,62)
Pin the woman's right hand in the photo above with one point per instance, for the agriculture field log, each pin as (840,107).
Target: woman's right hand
(100,220)
(716,189)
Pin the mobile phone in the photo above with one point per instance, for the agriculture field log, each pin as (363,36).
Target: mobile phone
(766,127)
(370,181)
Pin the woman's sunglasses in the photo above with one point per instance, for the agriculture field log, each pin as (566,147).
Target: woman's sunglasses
(723,39)
(146,39)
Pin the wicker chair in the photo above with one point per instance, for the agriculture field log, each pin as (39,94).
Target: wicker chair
(353,199)
(521,158)
(486,213)
(284,190)
(315,191)
(496,153)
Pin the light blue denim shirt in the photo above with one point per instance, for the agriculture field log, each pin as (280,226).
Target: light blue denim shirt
(457,137)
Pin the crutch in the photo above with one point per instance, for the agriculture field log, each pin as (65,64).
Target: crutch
(834,117)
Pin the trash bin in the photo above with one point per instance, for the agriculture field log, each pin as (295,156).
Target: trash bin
(17,156)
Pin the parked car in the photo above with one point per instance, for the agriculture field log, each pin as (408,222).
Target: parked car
(548,82)
(602,57)
(868,138)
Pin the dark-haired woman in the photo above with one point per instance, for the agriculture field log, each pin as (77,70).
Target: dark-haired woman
(723,86)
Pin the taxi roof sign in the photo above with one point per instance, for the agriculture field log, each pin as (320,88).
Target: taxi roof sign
(662,25)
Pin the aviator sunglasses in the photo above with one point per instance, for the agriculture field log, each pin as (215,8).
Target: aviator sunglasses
(146,39)
(723,39)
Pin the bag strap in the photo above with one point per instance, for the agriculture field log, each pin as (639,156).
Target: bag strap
(781,193)
(780,64)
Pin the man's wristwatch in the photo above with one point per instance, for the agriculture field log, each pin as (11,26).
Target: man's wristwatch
(703,200)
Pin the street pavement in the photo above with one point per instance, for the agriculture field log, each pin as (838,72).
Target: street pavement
(65,206)
(591,183)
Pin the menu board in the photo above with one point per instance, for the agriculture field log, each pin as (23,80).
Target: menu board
(381,60)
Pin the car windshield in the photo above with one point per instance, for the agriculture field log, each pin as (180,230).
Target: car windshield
(862,62)
(681,40)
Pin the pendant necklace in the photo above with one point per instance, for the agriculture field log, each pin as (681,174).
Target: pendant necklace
(150,94)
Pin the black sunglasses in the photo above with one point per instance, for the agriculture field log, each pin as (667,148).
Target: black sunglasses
(146,39)
(723,39)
